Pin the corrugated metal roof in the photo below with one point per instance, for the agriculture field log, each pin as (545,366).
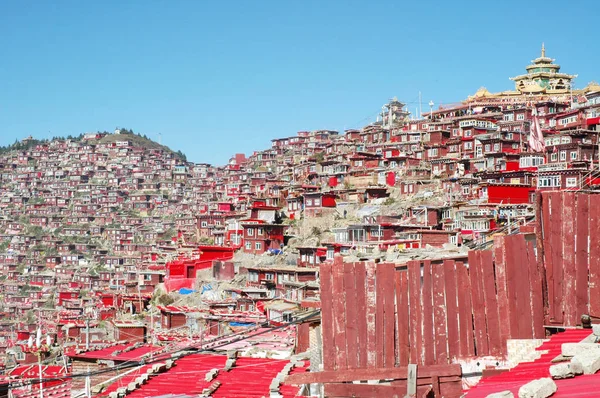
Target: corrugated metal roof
(250,377)
(580,386)
(124,352)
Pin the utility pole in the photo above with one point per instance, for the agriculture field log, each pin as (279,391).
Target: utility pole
(87,333)
(88,384)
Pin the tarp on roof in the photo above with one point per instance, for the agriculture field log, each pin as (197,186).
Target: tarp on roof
(243,324)
(367,211)
(281,306)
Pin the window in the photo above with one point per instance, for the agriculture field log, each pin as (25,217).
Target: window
(567,120)
(253,276)
(571,182)
(553,157)
(521,116)
(573,155)
(487,147)
(309,202)
(467,133)
(548,182)
(258,245)
(330,253)
(287,317)
(317,202)
(260,231)
(250,231)
(269,276)
(509,118)
(204,224)
(496,147)
(248,245)
(563,155)
(376,232)
(468,145)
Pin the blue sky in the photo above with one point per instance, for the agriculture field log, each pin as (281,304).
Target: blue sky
(216,78)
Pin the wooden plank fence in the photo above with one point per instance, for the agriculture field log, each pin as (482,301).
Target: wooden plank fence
(430,313)
(570,224)
(378,316)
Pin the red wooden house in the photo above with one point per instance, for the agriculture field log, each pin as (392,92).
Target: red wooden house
(260,237)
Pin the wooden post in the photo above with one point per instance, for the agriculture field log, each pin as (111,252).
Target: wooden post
(411,382)
(539,244)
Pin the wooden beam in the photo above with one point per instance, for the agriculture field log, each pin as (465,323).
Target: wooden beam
(348,375)
(371,391)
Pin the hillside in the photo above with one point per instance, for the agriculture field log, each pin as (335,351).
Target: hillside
(140,141)
(126,135)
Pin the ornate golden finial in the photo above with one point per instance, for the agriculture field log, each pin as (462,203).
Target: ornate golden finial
(543,51)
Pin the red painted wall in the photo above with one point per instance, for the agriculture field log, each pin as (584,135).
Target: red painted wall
(390,179)
(183,268)
(223,270)
(507,194)
(434,239)
(328,201)
(512,166)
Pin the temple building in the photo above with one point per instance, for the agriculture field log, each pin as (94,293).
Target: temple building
(393,114)
(543,76)
(542,82)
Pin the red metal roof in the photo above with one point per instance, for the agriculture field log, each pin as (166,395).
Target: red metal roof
(580,386)
(250,377)
(126,353)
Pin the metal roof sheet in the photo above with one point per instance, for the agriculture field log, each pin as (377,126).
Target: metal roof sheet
(579,386)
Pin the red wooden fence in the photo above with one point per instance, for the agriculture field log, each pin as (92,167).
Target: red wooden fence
(571,255)
(375,316)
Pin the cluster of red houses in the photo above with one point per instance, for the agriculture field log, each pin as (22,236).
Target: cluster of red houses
(90,226)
